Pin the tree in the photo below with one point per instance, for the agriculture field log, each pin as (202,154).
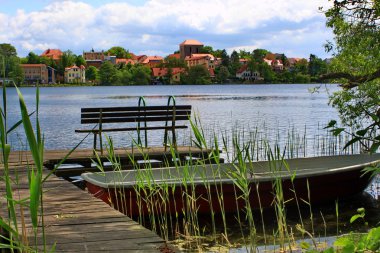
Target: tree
(223,74)
(302,67)
(7,50)
(7,55)
(80,60)
(259,54)
(33,58)
(140,75)
(172,62)
(92,74)
(16,72)
(356,66)
(107,73)
(243,54)
(316,66)
(266,72)
(67,59)
(119,52)
(234,62)
(225,58)
(207,50)
(197,74)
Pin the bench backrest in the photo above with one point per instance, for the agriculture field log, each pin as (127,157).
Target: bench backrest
(135,114)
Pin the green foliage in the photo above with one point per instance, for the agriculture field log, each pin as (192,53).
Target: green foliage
(80,60)
(172,62)
(119,52)
(234,62)
(316,66)
(140,75)
(259,54)
(356,66)
(207,50)
(360,215)
(266,72)
(369,242)
(33,58)
(7,50)
(198,74)
(67,59)
(16,72)
(92,74)
(222,74)
(225,58)
(107,73)
(10,64)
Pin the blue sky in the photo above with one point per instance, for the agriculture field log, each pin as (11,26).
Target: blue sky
(157,27)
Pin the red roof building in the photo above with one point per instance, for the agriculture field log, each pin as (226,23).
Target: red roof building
(151,61)
(177,56)
(54,54)
(125,61)
(189,47)
(163,72)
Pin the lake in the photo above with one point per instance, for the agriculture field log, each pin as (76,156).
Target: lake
(219,107)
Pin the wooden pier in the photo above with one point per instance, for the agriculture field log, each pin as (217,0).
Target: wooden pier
(74,220)
(128,158)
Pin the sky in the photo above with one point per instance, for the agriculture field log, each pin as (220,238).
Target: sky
(157,27)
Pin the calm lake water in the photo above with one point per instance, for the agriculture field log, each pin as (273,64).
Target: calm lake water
(220,107)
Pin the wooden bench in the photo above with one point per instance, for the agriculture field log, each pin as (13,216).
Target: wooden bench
(135,119)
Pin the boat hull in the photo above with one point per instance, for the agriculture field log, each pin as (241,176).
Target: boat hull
(226,196)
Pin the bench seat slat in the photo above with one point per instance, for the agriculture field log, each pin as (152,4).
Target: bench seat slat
(130,129)
(133,119)
(135,108)
(134,114)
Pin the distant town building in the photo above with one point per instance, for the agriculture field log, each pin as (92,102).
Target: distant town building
(189,47)
(245,74)
(110,58)
(275,64)
(151,61)
(207,60)
(125,61)
(93,58)
(38,73)
(176,56)
(75,74)
(160,74)
(243,61)
(54,54)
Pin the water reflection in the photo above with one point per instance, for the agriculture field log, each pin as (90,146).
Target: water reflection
(220,108)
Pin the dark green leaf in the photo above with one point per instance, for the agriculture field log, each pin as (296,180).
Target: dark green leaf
(374,147)
(362,132)
(332,123)
(351,142)
(17,124)
(337,131)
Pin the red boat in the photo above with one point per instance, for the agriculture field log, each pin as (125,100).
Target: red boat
(229,187)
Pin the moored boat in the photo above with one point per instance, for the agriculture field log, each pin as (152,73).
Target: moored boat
(228,187)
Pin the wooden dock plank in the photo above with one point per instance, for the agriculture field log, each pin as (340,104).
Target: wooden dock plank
(79,222)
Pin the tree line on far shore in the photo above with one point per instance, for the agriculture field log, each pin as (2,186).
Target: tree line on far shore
(303,71)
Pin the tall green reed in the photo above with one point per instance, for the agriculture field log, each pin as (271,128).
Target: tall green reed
(35,177)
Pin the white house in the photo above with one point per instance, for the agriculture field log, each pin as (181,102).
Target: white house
(75,74)
(245,74)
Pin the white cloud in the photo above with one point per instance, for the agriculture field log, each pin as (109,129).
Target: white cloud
(157,25)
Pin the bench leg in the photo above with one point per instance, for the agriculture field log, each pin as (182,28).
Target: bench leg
(101,143)
(94,142)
